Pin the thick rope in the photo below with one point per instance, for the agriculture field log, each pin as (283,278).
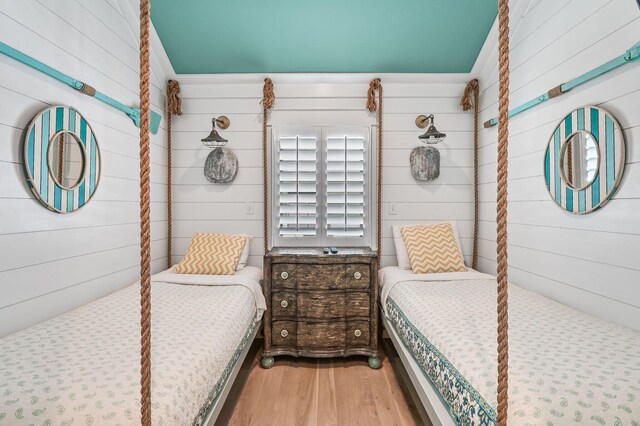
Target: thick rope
(570,163)
(268,100)
(469,100)
(61,159)
(174,106)
(376,84)
(503,161)
(145,219)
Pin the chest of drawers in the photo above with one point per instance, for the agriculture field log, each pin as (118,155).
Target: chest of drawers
(320,305)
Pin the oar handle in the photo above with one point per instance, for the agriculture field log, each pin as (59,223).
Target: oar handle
(69,81)
(630,55)
(37,65)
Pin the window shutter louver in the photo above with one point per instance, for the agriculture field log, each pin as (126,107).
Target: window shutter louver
(345,186)
(297,186)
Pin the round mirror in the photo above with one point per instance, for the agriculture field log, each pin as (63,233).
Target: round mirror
(61,159)
(584,160)
(66,160)
(579,160)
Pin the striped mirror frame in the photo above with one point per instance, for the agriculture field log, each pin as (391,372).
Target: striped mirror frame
(39,138)
(605,130)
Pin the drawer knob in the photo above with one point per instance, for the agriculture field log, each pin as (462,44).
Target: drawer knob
(284,303)
(357,333)
(284,333)
(357,275)
(284,275)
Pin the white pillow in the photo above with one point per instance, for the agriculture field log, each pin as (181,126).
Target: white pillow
(402,255)
(244,257)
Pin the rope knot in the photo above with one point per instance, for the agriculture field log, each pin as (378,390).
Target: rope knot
(375,84)
(174,103)
(470,96)
(268,96)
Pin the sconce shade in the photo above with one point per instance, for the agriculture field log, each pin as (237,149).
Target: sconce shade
(432,136)
(214,140)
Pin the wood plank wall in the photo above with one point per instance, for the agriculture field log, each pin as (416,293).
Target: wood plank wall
(589,262)
(51,263)
(201,206)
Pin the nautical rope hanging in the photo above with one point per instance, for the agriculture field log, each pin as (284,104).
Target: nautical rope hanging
(470,99)
(503,161)
(174,106)
(61,158)
(268,100)
(376,84)
(145,219)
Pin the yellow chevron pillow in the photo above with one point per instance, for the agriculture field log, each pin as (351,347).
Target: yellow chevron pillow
(433,248)
(212,254)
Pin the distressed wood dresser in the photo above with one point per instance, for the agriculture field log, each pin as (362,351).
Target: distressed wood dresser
(321,305)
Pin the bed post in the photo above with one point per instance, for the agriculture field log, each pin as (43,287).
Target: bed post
(145,217)
(503,161)
(174,106)
(374,85)
(469,100)
(268,100)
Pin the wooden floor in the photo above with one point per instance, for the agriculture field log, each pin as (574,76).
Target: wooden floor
(301,392)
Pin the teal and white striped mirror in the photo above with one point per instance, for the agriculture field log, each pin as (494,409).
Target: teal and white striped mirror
(585,160)
(61,159)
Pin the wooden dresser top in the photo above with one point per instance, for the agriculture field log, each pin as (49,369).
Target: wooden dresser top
(317,252)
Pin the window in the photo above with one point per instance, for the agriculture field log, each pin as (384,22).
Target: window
(321,188)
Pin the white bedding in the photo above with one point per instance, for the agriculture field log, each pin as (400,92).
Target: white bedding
(84,367)
(565,367)
(248,277)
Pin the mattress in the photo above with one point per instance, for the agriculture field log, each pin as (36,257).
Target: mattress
(565,367)
(84,367)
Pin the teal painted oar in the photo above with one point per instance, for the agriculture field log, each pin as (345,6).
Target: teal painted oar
(629,56)
(133,113)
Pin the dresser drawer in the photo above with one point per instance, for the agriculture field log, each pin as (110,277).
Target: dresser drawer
(283,333)
(358,305)
(321,335)
(283,304)
(358,276)
(283,275)
(321,305)
(358,334)
(321,277)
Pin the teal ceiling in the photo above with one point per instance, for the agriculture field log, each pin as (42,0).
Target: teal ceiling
(342,36)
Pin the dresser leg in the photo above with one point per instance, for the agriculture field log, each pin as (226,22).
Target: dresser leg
(267,362)
(375,362)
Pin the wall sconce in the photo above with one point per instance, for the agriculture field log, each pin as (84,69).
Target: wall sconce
(214,140)
(221,165)
(425,160)
(432,135)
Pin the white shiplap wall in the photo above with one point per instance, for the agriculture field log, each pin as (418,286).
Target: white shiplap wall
(591,261)
(51,263)
(319,100)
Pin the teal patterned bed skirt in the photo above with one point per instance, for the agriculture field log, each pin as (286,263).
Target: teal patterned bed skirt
(466,405)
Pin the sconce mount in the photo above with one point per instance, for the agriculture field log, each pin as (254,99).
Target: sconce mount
(423,120)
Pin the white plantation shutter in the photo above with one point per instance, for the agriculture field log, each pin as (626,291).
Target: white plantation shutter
(321,186)
(345,186)
(297,186)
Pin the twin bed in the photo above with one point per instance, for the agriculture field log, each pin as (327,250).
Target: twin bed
(565,367)
(84,367)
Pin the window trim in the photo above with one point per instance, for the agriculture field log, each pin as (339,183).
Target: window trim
(321,239)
